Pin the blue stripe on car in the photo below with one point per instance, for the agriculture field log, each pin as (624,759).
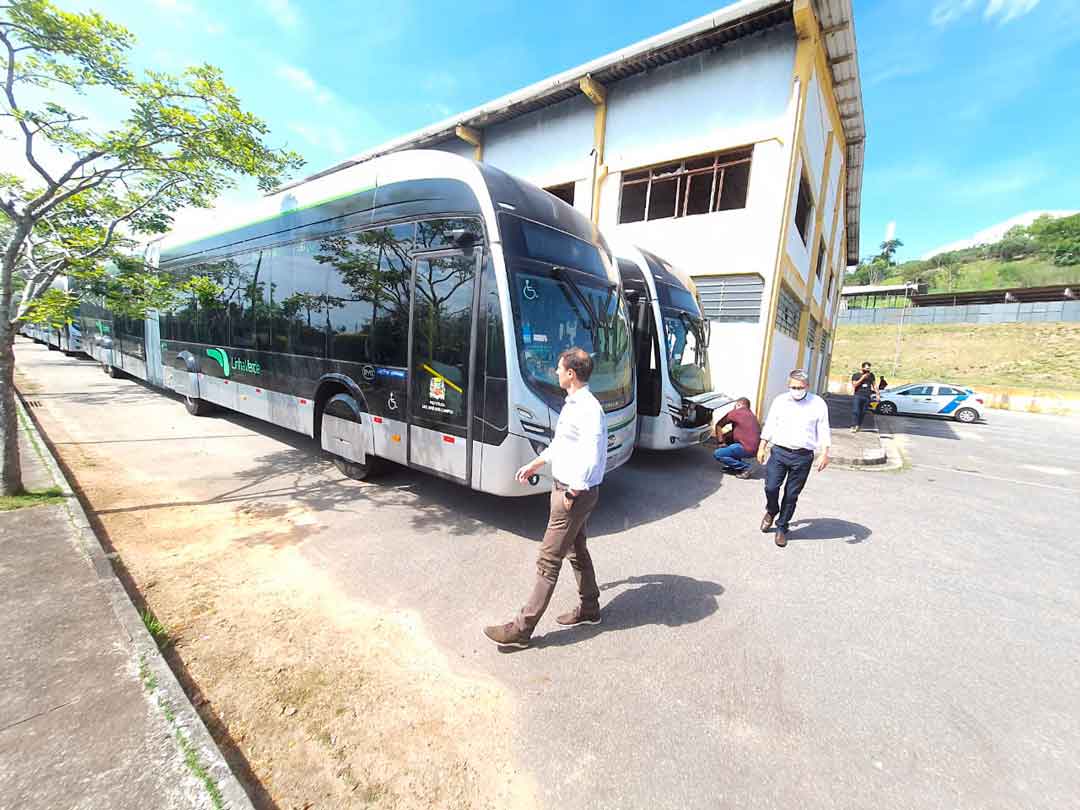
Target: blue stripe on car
(952,404)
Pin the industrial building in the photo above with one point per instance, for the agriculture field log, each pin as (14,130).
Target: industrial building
(732,146)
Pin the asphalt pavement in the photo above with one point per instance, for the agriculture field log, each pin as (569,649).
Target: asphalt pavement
(915,645)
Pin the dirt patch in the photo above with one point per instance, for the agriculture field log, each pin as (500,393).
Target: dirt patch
(317,700)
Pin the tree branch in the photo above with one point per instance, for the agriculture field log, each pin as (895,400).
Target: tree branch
(9,92)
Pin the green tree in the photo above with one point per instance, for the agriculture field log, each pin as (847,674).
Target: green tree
(888,251)
(1015,243)
(91,193)
(1058,239)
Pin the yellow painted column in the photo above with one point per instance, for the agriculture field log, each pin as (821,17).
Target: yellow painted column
(597,94)
(472,136)
(808,31)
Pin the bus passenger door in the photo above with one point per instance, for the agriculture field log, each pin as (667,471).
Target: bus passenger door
(154,373)
(441,359)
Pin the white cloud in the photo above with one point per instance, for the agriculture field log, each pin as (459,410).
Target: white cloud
(283,13)
(890,231)
(948,11)
(215,29)
(301,80)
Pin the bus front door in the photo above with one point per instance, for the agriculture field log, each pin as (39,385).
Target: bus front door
(441,356)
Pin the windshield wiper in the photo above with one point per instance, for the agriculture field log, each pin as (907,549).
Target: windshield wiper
(699,333)
(561,274)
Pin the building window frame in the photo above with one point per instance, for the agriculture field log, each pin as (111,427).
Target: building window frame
(717,166)
(788,313)
(804,207)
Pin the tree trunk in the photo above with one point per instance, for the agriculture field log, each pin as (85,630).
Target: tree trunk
(11,482)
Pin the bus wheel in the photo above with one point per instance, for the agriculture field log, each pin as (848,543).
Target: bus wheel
(112,371)
(355,470)
(196,406)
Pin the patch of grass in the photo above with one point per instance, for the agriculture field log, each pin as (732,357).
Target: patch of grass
(191,758)
(148,678)
(9,503)
(1039,356)
(156,628)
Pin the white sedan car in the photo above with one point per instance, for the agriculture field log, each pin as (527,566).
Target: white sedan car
(932,399)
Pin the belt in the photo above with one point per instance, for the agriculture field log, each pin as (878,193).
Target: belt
(560,486)
(800,450)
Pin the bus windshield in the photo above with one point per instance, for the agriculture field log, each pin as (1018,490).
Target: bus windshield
(565,296)
(685,340)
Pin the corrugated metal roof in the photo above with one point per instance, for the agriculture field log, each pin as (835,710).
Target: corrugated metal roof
(724,25)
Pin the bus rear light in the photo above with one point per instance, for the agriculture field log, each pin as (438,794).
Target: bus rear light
(377,420)
(258,390)
(303,402)
(448,439)
(395,438)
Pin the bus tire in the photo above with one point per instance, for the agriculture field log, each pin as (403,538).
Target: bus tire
(357,471)
(196,406)
(111,371)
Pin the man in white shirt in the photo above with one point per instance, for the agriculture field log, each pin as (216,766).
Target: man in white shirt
(797,425)
(578,457)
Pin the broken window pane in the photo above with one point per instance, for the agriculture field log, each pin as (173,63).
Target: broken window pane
(662,198)
(632,208)
(700,193)
(803,208)
(734,186)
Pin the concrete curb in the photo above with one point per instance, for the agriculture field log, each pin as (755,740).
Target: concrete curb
(168,691)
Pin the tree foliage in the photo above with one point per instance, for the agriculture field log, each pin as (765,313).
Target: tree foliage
(84,194)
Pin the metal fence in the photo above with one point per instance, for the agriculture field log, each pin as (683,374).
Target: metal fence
(971,313)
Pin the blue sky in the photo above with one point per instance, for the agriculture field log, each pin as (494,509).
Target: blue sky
(972,106)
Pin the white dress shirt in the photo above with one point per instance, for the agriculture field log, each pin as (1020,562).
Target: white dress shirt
(798,424)
(578,453)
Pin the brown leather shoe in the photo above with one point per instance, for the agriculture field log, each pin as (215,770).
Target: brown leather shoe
(766,522)
(507,635)
(781,538)
(579,616)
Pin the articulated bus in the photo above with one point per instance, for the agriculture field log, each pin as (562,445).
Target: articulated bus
(671,343)
(411,308)
(67,338)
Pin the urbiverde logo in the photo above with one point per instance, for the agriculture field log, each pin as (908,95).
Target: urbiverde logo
(222,358)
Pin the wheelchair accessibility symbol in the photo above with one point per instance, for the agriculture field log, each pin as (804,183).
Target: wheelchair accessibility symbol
(391,403)
(529,292)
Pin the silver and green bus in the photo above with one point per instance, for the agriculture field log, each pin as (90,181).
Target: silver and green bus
(407,309)
(675,394)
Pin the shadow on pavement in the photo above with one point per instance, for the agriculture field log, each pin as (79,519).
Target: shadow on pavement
(828,529)
(926,426)
(667,599)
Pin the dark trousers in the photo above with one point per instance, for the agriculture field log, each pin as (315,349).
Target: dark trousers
(565,537)
(794,466)
(858,409)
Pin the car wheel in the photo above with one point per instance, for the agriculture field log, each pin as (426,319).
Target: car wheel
(967,415)
(196,406)
(886,408)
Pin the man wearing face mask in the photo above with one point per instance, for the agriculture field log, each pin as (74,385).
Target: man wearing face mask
(798,425)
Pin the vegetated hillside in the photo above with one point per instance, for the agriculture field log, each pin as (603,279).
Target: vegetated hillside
(1042,356)
(996,274)
(1046,252)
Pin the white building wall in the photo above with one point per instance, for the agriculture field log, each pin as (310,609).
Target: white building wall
(815,129)
(785,355)
(457,147)
(725,98)
(833,187)
(797,250)
(546,147)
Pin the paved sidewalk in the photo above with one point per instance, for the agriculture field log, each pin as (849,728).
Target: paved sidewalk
(857,449)
(90,714)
